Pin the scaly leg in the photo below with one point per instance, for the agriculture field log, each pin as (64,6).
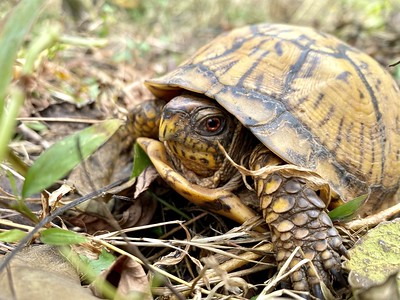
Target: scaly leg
(297,217)
(144,119)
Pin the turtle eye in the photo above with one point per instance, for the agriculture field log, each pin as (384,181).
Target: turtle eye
(213,124)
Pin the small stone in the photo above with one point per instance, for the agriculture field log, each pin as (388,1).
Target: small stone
(272,184)
(300,219)
(313,198)
(301,233)
(283,204)
(293,186)
(284,226)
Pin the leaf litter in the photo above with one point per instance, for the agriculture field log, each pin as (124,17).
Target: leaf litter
(75,87)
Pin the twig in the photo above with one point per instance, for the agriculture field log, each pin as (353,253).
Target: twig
(375,219)
(55,214)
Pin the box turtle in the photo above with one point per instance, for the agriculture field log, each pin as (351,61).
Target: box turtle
(301,116)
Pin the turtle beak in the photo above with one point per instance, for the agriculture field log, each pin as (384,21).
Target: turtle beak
(175,119)
(171,125)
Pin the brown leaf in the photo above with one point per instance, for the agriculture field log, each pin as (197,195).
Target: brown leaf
(127,212)
(144,180)
(56,195)
(110,163)
(175,257)
(129,279)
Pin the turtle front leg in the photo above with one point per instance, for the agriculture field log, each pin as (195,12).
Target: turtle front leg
(144,119)
(297,216)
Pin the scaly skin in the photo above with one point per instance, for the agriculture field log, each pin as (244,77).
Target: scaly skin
(144,119)
(297,217)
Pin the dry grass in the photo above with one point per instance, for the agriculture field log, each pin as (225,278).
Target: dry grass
(149,38)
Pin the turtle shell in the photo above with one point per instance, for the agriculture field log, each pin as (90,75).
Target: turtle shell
(313,100)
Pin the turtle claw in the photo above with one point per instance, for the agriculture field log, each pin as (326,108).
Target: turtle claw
(338,277)
(317,291)
(343,251)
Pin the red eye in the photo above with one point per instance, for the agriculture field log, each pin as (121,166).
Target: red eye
(213,124)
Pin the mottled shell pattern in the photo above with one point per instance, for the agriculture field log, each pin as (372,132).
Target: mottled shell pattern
(311,99)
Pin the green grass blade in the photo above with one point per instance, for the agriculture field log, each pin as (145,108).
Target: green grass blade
(63,156)
(7,119)
(96,266)
(347,210)
(140,160)
(17,25)
(12,235)
(61,237)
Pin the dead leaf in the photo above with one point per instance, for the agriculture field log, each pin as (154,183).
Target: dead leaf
(128,203)
(128,213)
(110,163)
(145,179)
(129,279)
(56,195)
(175,257)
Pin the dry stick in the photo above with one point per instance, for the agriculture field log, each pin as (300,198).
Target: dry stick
(172,231)
(55,214)
(236,263)
(374,219)
(59,119)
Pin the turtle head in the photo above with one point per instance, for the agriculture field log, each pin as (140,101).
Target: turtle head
(191,128)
